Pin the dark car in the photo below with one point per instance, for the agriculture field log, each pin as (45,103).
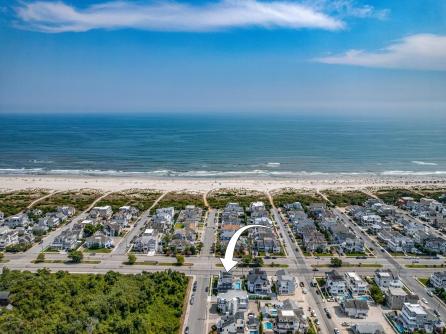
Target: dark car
(186,330)
(301,284)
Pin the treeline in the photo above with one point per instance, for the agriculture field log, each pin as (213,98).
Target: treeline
(79,303)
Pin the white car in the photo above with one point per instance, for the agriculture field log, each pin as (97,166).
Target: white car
(336,331)
(424,300)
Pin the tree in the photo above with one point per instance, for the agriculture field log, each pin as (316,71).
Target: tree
(40,258)
(2,256)
(131,259)
(180,260)
(90,229)
(75,256)
(335,262)
(377,294)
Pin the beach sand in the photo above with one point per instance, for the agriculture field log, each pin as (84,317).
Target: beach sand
(313,182)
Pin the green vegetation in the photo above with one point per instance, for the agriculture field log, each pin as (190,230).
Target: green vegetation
(131,259)
(376,293)
(79,199)
(391,196)
(180,259)
(335,262)
(141,199)
(2,256)
(220,198)
(179,200)
(90,229)
(18,248)
(40,258)
(440,293)
(76,256)
(424,280)
(436,194)
(346,198)
(14,202)
(287,196)
(43,303)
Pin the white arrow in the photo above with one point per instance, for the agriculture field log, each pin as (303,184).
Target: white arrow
(228,262)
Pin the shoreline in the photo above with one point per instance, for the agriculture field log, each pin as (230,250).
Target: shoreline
(204,184)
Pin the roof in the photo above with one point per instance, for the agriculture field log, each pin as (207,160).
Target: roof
(368,328)
(415,308)
(4,294)
(356,303)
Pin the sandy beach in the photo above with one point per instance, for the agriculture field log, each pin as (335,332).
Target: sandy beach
(320,182)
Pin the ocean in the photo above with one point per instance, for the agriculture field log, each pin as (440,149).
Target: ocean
(220,145)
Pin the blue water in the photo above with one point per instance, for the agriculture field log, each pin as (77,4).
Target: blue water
(194,145)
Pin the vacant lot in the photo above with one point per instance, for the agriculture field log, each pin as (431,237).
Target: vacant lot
(80,199)
(221,197)
(14,202)
(79,303)
(346,198)
(141,199)
(287,196)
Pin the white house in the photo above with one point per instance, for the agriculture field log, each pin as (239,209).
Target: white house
(355,284)
(335,283)
(285,283)
(232,301)
(438,280)
(385,278)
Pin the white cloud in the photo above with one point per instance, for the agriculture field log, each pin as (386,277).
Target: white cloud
(348,8)
(56,17)
(416,52)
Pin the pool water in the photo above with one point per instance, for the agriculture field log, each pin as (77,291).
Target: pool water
(237,285)
(267,325)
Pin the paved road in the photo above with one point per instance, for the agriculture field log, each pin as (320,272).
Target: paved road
(305,276)
(198,311)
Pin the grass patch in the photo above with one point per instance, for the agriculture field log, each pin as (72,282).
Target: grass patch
(346,198)
(80,199)
(141,199)
(288,195)
(423,280)
(391,196)
(179,200)
(418,266)
(14,202)
(219,198)
(433,193)
(157,263)
(98,250)
(349,265)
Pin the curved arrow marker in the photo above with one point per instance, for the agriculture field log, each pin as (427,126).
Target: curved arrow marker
(228,262)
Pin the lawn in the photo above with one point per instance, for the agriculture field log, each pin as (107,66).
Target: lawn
(85,303)
(391,196)
(141,199)
(424,280)
(14,202)
(288,195)
(221,197)
(346,198)
(80,199)
(179,200)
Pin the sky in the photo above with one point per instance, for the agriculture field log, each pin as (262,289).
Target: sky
(335,56)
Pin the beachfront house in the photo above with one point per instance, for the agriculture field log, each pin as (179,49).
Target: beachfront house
(19,220)
(8,237)
(101,212)
(355,284)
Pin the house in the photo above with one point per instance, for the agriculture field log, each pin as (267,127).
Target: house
(252,324)
(8,238)
(355,308)
(186,233)
(285,283)
(435,245)
(99,240)
(396,297)
(232,301)
(101,212)
(257,210)
(355,284)
(294,206)
(66,240)
(368,220)
(290,318)
(438,280)
(147,242)
(314,241)
(20,220)
(258,282)
(317,210)
(190,216)
(179,246)
(225,281)
(416,317)
(368,328)
(335,283)
(68,211)
(385,278)
(231,324)
(111,229)
(163,219)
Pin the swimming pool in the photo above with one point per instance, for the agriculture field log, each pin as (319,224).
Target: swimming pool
(267,325)
(237,285)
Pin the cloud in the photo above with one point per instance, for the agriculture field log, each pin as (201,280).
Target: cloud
(415,52)
(349,8)
(57,17)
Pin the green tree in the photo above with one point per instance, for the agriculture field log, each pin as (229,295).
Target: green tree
(2,256)
(180,260)
(131,259)
(40,258)
(377,294)
(76,256)
(335,262)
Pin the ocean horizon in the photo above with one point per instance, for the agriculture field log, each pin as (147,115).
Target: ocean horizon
(220,145)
